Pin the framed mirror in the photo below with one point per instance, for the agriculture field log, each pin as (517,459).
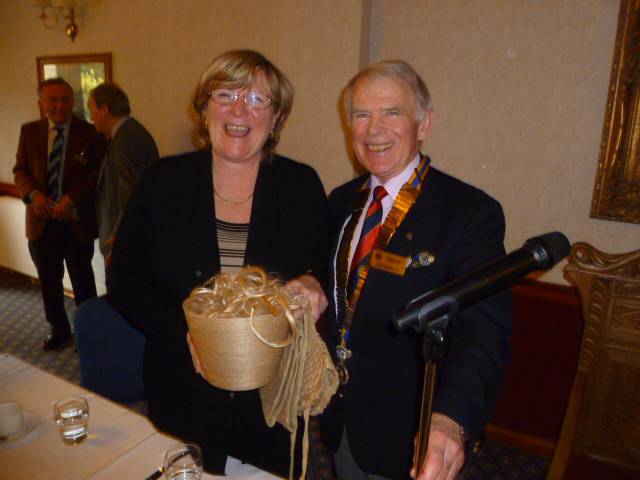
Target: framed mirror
(83,72)
(616,195)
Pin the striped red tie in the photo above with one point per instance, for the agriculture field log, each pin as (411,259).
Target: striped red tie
(370,230)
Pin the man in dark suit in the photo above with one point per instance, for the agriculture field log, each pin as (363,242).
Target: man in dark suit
(402,229)
(56,171)
(131,150)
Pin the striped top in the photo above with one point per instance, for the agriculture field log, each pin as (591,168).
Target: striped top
(232,243)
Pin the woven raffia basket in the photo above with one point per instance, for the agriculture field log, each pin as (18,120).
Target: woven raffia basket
(239,340)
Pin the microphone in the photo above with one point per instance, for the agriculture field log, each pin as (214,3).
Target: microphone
(538,253)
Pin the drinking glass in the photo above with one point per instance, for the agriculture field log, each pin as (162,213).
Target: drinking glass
(72,417)
(183,461)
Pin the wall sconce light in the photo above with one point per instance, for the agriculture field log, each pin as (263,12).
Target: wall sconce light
(53,10)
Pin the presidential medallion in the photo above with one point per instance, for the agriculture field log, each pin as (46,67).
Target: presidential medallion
(343,373)
(342,353)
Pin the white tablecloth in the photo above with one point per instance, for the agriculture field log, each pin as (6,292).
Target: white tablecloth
(41,453)
(147,456)
(10,364)
(121,443)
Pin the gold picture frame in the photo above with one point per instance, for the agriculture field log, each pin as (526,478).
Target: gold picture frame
(616,195)
(83,72)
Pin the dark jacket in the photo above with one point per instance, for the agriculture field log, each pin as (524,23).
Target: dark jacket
(166,246)
(462,228)
(130,152)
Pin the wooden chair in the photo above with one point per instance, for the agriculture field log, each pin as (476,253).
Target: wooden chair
(602,420)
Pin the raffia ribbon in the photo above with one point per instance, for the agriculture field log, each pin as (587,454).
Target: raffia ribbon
(248,293)
(305,378)
(239,325)
(304,383)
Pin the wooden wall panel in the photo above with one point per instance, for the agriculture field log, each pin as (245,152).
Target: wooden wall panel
(547,329)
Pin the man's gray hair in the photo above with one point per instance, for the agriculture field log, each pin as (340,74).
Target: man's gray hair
(54,81)
(111,95)
(399,71)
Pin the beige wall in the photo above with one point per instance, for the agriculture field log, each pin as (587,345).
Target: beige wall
(161,47)
(519,90)
(519,86)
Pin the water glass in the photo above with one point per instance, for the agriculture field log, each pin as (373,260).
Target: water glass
(72,417)
(183,461)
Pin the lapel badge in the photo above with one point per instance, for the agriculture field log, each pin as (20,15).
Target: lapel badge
(81,158)
(409,236)
(422,259)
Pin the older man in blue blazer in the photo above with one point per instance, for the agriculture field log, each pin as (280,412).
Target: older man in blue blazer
(402,229)
(130,151)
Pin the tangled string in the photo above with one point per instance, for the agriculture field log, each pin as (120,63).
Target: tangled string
(245,294)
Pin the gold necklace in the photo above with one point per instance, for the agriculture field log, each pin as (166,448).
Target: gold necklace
(232,202)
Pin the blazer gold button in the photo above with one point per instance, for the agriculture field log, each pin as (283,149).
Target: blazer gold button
(409,236)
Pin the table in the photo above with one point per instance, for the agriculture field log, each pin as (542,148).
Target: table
(141,460)
(120,444)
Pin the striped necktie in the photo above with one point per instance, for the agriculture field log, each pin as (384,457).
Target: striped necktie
(53,167)
(370,229)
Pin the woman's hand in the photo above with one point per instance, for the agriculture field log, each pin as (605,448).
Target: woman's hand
(194,357)
(311,289)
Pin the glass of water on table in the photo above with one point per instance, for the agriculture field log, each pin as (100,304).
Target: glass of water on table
(183,461)
(72,418)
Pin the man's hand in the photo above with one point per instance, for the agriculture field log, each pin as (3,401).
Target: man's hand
(445,452)
(63,210)
(311,289)
(40,204)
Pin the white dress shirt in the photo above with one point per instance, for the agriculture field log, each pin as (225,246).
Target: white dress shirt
(393,187)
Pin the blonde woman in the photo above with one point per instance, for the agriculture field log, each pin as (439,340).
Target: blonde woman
(234,203)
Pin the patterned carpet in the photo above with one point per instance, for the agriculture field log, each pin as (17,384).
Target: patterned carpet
(23,327)
(500,462)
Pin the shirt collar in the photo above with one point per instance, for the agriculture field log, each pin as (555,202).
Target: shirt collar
(393,185)
(65,126)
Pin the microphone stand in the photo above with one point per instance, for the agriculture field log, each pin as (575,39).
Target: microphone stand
(433,351)
(538,253)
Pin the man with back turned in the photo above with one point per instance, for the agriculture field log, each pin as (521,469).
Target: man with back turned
(400,230)
(131,150)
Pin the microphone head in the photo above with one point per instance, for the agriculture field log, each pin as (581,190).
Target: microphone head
(548,249)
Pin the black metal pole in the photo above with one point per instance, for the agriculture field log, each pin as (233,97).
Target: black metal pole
(433,347)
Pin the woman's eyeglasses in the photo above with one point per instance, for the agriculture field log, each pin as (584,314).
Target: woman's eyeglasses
(252,100)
